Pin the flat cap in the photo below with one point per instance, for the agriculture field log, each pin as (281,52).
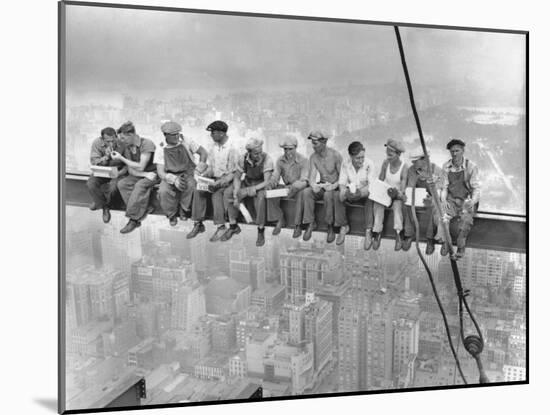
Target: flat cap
(395,145)
(127,127)
(289,141)
(318,135)
(217,126)
(417,153)
(170,127)
(455,142)
(254,143)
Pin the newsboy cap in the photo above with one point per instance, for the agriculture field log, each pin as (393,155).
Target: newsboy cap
(254,143)
(289,141)
(217,126)
(395,145)
(170,127)
(127,127)
(318,135)
(417,153)
(455,142)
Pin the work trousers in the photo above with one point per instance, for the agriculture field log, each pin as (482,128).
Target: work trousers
(260,206)
(274,211)
(379,210)
(330,198)
(341,218)
(465,217)
(432,220)
(171,199)
(102,190)
(220,203)
(135,192)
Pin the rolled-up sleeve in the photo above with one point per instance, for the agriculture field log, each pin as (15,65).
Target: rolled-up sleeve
(192,144)
(268,164)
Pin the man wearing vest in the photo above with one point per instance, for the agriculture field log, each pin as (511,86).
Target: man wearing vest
(325,162)
(222,163)
(135,188)
(461,193)
(176,168)
(417,177)
(394,173)
(102,189)
(293,169)
(257,167)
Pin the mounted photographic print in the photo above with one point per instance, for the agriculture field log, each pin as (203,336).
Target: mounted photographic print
(256,207)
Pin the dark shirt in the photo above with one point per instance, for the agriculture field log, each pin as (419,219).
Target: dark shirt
(134,153)
(100,149)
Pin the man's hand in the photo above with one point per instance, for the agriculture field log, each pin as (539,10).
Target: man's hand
(201,167)
(170,178)
(180,183)
(445,206)
(468,205)
(215,186)
(151,176)
(393,193)
(236,200)
(316,188)
(364,191)
(115,155)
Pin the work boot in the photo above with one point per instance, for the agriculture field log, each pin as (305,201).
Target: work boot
(130,226)
(261,237)
(398,243)
(228,234)
(297,232)
(368,240)
(331,235)
(309,231)
(460,252)
(376,240)
(278,227)
(430,246)
(444,249)
(106,215)
(218,234)
(197,228)
(342,235)
(407,242)
(173,220)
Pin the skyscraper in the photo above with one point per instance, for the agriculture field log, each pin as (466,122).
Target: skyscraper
(406,335)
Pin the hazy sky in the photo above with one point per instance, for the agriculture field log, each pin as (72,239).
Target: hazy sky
(123,50)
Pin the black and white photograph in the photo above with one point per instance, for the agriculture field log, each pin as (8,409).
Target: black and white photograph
(258,207)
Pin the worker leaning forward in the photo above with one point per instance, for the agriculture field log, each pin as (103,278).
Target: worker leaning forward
(325,162)
(394,173)
(176,168)
(418,177)
(460,195)
(222,163)
(257,167)
(135,188)
(293,168)
(103,189)
(356,175)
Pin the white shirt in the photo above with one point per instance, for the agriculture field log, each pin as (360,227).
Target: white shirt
(356,179)
(222,159)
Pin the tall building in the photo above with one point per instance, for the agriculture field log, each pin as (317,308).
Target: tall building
(224,333)
(406,336)
(270,298)
(303,270)
(256,348)
(249,271)
(318,331)
(188,305)
(224,295)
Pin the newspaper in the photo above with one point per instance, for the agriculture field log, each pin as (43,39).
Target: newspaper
(109,172)
(203,183)
(378,191)
(270,194)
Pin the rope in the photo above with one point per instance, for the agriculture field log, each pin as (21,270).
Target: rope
(473,344)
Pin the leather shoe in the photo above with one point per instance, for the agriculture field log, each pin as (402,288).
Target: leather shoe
(198,228)
(173,220)
(228,234)
(130,226)
(430,246)
(297,231)
(218,234)
(331,236)
(376,241)
(368,240)
(342,235)
(407,242)
(278,227)
(261,237)
(106,215)
(309,231)
(398,242)
(444,250)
